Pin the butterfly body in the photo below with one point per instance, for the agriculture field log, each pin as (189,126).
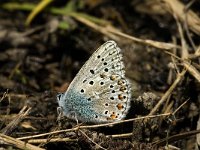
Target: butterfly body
(100,92)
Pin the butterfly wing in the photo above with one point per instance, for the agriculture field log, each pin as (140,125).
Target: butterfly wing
(99,92)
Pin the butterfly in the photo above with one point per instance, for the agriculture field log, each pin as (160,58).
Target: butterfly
(100,92)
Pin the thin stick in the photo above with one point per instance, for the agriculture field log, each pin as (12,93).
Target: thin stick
(179,107)
(93,126)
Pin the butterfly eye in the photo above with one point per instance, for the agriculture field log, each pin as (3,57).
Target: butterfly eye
(59,96)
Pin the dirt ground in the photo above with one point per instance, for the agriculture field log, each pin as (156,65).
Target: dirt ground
(43,45)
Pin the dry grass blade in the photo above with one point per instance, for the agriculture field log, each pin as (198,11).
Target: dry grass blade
(192,70)
(114,33)
(44,141)
(12,125)
(168,92)
(156,44)
(185,54)
(4,139)
(176,137)
(176,7)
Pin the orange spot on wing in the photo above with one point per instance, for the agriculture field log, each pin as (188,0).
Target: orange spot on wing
(112,77)
(113,116)
(120,106)
(123,88)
